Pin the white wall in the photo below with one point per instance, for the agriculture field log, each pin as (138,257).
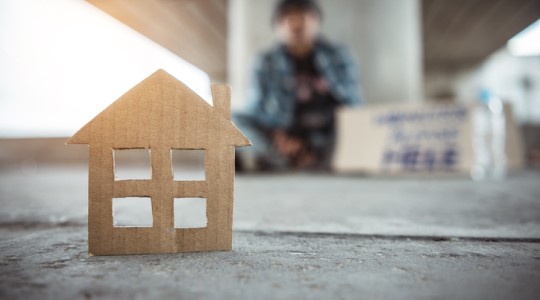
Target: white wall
(63,61)
(384,34)
(503,74)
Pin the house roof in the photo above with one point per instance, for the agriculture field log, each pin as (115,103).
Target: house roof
(161,111)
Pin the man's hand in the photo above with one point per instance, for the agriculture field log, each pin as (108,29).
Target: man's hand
(287,145)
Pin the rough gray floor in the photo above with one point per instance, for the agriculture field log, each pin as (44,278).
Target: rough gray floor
(297,237)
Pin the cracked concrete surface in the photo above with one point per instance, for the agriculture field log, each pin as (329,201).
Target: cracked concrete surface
(296,237)
(51,263)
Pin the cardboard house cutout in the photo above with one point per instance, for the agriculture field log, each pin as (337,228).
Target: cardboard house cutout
(161,114)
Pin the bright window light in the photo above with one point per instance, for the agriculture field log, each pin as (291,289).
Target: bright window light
(527,42)
(64,61)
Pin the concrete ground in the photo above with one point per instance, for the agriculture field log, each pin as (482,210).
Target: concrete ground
(297,236)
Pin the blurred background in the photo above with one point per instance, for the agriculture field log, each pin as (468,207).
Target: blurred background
(62,62)
(421,65)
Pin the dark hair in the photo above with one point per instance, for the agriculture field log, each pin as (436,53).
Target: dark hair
(283,6)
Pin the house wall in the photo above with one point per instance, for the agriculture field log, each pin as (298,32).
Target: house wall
(162,237)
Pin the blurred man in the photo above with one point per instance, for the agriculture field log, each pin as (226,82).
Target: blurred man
(295,90)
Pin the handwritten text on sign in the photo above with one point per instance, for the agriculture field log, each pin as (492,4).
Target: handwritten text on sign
(422,140)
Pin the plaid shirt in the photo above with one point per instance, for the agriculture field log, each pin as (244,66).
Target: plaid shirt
(271,97)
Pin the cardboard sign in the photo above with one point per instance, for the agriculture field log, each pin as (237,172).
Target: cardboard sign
(413,139)
(162,114)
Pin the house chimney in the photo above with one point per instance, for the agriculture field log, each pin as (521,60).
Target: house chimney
(221,99)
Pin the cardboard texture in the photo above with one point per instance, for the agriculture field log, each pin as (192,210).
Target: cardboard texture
(161,114)
(406,139)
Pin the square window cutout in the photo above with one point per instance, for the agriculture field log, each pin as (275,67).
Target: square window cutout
(132,164)
(188,165)
(190,213)
(132,212)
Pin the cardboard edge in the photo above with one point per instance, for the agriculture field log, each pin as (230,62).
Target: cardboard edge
(80,137)
(240,140)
